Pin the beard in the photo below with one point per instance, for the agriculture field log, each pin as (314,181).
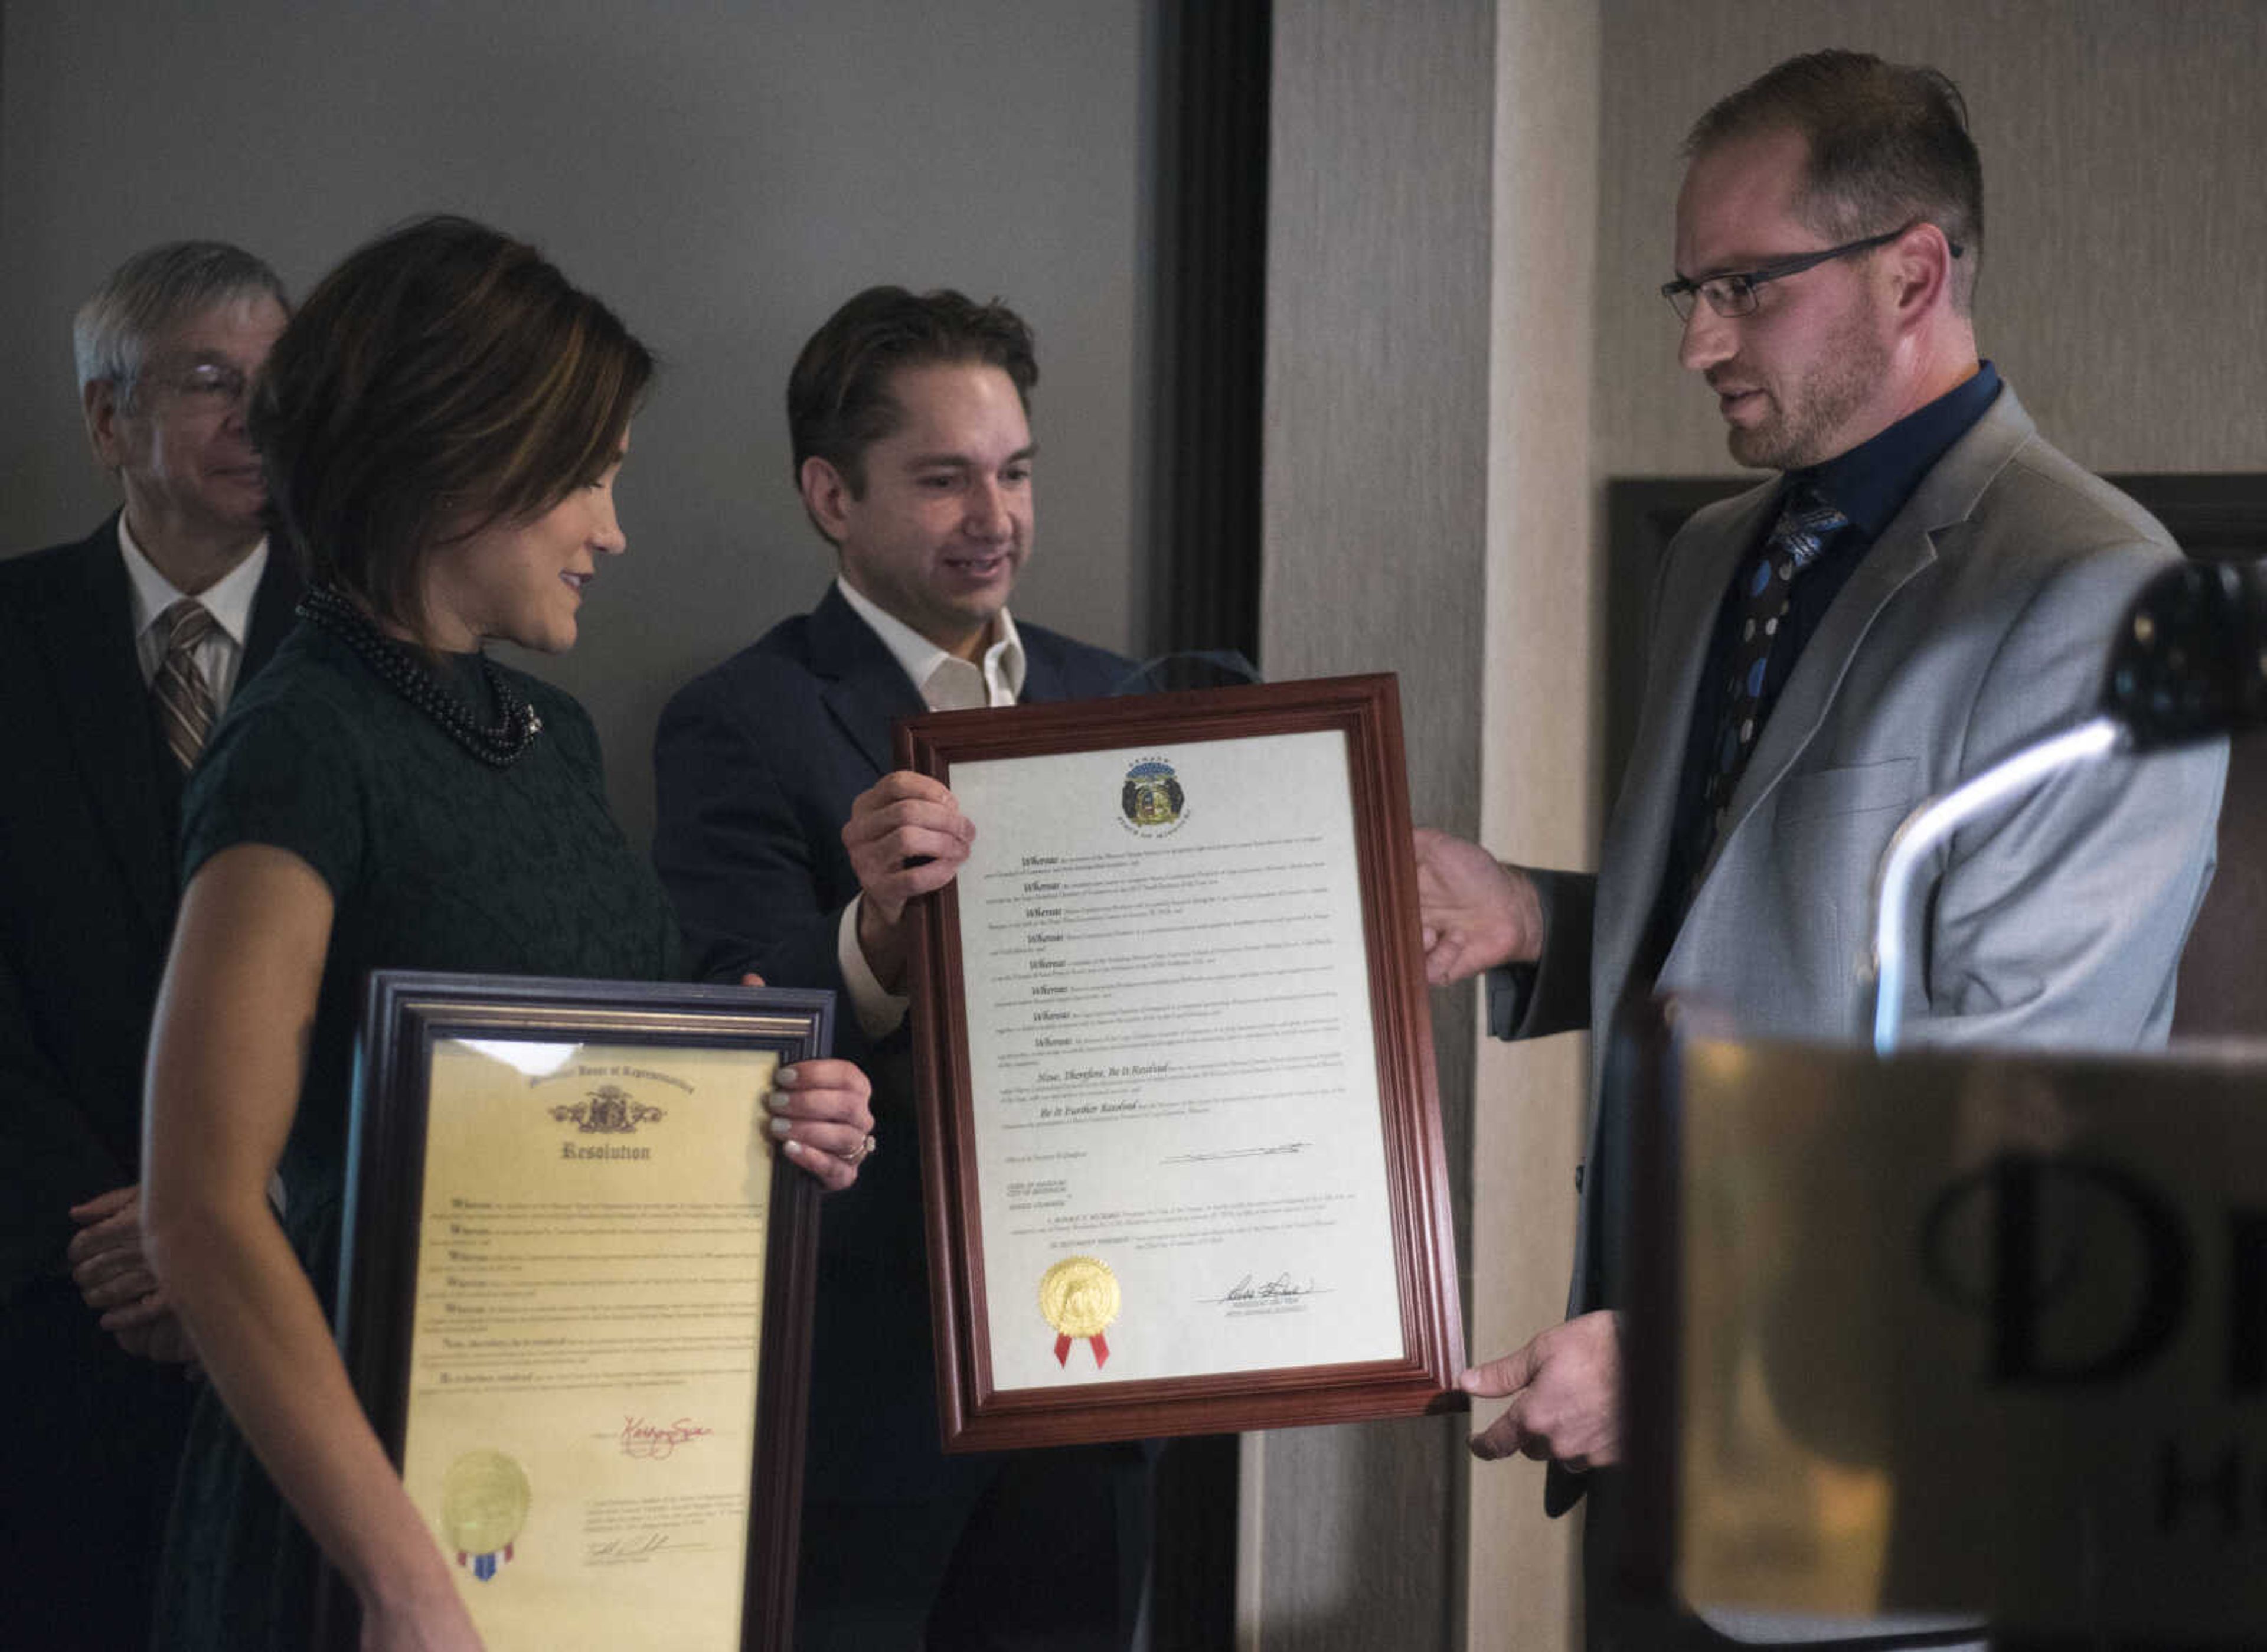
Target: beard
(1810,415)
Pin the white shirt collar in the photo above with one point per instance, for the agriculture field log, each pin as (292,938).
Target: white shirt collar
(229,597)
(999,681)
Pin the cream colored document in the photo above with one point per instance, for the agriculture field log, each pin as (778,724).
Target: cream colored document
(588,1318)
(1178,1144)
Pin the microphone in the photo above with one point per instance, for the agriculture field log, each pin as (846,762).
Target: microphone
(2190,660)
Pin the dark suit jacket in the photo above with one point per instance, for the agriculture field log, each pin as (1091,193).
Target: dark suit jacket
(87,881)
(87,896)
(756,765)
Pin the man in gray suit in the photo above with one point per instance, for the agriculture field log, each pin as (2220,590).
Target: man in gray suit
(1925,587)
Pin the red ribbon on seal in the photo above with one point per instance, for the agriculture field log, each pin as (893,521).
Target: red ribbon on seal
(1101,1349)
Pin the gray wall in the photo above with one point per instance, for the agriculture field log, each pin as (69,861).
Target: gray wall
(724,174)
(1537,753)
(1373,518)
(2124,146)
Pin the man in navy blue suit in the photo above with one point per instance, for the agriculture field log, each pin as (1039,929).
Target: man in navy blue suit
(791,850)
(116,652)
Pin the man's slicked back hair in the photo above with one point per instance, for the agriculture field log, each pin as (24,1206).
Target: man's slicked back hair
(837,398)
(1889,146)
(442,379)
(155,290)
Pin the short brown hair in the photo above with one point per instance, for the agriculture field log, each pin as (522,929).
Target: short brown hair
(1889,146)
(444,374)
(837,398)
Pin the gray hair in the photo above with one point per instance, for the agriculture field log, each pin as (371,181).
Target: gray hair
(158,288)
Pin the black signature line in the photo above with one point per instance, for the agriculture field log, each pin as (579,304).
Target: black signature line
(1237,1153)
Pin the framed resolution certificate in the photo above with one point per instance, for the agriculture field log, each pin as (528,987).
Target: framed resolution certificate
(575,1299)
(1179,1130)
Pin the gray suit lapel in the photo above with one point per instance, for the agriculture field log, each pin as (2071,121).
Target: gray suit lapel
(1937,511)
(1902,551)
(1685,603)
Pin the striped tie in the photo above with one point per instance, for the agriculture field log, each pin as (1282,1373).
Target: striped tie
(185,701)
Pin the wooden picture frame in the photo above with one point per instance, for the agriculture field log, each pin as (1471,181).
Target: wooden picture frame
(416,1025)
(978,1408)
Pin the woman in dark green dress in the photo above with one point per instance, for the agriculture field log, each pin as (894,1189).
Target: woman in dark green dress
(442,425)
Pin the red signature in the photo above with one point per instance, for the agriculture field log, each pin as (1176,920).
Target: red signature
(656,1440)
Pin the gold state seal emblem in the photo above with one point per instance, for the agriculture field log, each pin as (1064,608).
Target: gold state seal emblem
(484,1499)
(609,1110)
(1079,1297)
(1152,796)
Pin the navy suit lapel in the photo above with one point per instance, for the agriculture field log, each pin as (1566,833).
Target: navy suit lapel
(1042,681)
(88,652)
(865,689)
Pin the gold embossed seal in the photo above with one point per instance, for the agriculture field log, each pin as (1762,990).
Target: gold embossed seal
(484,1502)
(1079,1297)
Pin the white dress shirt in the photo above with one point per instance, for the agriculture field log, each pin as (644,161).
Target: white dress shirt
(946,682)
(228,599)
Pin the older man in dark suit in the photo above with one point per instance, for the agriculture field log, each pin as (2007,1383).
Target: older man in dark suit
(791,851)
(115,655)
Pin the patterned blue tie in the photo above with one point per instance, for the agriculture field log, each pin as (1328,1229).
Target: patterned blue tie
(1803,527)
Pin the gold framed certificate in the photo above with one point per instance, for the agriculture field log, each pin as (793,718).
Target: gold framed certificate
(575,1296)
(1180,1137)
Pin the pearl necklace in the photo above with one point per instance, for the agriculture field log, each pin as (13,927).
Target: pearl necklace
(399,670)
